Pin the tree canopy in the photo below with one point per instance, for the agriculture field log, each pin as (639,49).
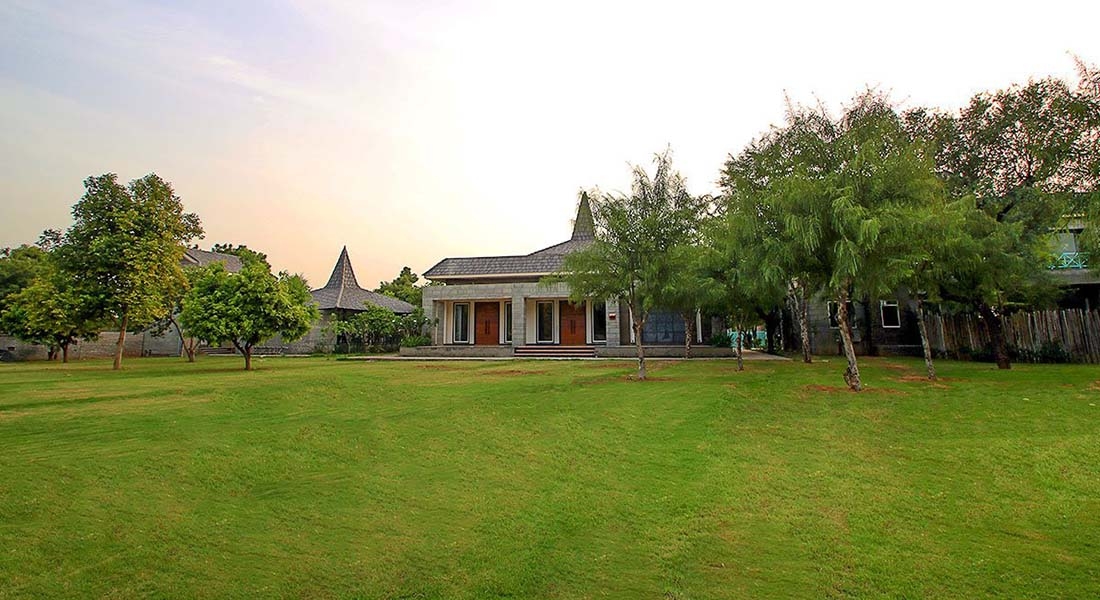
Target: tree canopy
(124,249)
(403,287)
(635,234)
(247,308)
(836,201)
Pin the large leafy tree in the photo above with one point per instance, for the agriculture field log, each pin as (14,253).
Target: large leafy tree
(248,307)
(403,287)
(47,312)
(635,235)
(1027,156)
(739,286)
(756,231)
(18,269)
(840,197)
(123,251)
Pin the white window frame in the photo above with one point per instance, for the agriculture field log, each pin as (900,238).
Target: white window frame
(506,322)
(591,318)
(553,322)
(882,304)
(469,322)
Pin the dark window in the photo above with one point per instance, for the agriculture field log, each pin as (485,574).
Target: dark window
(545,322)
(834,322)
(891,314)
(663,327)
(507,322)
(462,323)
(599,321)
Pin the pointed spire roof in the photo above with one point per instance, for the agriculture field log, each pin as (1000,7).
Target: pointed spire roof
(343,292)
(584,229)
(343,275)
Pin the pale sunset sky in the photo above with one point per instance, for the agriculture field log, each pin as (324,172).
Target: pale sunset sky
(412,131)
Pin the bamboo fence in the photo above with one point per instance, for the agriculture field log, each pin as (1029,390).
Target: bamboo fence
(1034,334)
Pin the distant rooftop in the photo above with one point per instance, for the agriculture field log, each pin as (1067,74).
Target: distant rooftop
(193,257)
(538,263)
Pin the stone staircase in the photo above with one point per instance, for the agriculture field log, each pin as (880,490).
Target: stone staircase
(555,352)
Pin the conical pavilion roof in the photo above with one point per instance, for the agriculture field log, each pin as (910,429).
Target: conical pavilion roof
(343,292)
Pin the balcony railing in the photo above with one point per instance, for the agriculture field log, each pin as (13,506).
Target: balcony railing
(1071,260)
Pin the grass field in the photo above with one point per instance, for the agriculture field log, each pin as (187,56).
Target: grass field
(314,478)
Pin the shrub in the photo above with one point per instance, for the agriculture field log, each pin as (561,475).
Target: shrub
(412,341)
(721,339)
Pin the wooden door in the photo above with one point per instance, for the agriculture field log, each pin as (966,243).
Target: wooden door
(572,324)
(487,323)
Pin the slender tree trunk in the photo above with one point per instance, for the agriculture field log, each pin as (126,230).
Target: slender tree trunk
(924,341)
(740,346)
(804,324)
(248,357)
(51,353)
(65,353)
(689,333)
(997,335)
(183,342)
(641,351)
(121,340)
(851,374)
(190,348)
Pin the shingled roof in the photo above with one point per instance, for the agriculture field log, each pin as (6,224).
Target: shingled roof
(193,257)
(538,263)
(343,292)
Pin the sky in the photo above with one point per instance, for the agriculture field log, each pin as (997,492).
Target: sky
(412,131)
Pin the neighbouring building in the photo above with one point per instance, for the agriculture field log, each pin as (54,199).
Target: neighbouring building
(143,343)
(889,326)
(340,298)
(499,306)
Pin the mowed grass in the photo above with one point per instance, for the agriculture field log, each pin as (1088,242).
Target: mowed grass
(313,478)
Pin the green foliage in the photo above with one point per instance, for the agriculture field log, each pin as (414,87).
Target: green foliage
(413,341)
(247,308)
(18,269)
(47,312)
(721,339)
(833,203)
(403,287)
(635,236)
(243,252)
(378,329)
(124,248)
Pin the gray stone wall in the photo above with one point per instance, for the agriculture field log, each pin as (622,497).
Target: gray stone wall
(517,292)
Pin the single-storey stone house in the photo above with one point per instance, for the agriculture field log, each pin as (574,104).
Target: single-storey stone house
(497,306)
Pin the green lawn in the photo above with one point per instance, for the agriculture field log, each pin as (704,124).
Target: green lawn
(314,478)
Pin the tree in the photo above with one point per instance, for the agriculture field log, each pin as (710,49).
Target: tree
(243,252)
(247,307)
(756,229)
(1027,156)
(635,233)
(189,343)
(686,288)
(18,269)
(740,287)
(838,197)
(403,287)
(123,251)
(46,312)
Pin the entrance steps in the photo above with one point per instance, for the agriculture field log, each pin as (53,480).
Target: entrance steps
(555,352)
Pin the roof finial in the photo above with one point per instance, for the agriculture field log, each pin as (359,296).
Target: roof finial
(342,274)
(583,226)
